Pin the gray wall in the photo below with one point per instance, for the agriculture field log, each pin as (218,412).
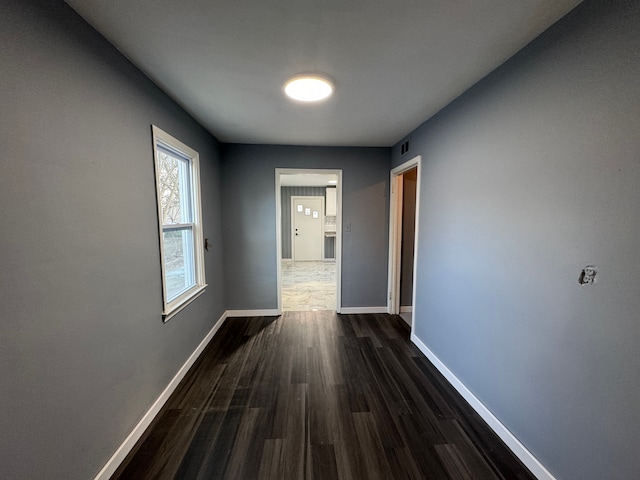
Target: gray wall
(83,349)
(527,178)
(285,200)
(249,220)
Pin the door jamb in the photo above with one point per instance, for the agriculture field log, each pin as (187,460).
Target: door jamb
(338,249)
(395,234)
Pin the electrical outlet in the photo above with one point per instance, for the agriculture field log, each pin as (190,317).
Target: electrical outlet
(588,275)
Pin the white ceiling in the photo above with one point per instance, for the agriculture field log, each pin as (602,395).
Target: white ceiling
(395,63)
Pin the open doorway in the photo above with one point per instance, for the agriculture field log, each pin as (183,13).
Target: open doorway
(308,212)
(403,238)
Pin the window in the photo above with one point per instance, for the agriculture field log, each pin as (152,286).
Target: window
(180,220)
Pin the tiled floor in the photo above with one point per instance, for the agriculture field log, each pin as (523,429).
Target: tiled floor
(308,286)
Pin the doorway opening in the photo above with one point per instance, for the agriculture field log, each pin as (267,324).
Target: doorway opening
(308,215)
(403,238)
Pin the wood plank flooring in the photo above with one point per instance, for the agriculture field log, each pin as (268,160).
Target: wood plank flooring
(317,395)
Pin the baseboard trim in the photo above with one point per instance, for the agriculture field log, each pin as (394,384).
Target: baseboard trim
(507,437)
(121,453)
(353,310)
(408,309)
(252,313)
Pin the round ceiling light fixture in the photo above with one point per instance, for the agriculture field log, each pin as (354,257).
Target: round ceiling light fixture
(308,88)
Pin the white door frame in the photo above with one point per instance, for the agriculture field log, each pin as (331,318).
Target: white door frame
(395,234)
(293,233)
(338,250)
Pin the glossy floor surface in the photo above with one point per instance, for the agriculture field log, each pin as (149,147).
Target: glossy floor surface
(317,395)
(308,286)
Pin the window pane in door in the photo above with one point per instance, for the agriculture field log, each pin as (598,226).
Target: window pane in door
(178,261)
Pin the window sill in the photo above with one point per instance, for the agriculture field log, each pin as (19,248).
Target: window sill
(176,308)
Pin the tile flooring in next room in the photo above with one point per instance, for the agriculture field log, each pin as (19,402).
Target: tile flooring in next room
(308,286)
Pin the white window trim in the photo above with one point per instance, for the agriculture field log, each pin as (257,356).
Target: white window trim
(169,309)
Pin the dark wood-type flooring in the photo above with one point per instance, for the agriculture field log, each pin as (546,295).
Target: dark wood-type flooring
(317,395)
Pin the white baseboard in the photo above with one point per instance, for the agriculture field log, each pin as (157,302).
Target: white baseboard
(408,309)
(352,310)
(252,313)
(507,437)
(126,446)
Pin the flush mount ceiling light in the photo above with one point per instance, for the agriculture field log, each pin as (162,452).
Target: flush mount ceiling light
(308,88)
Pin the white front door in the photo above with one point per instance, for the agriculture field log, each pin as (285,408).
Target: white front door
(307,217)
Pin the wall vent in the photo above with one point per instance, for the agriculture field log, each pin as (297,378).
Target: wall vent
(404,148)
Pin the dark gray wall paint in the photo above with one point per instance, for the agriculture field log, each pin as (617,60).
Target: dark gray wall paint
(409,182)
(83,349)
(527,178)
(249,220)
(285,199)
